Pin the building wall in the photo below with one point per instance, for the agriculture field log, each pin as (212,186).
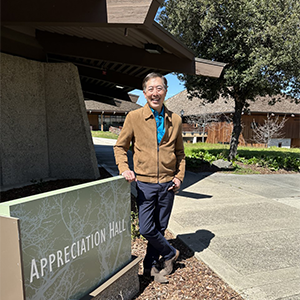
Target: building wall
(44,126)
(291,128)
(295,143)
(93,121)
(221,131)
(108,119)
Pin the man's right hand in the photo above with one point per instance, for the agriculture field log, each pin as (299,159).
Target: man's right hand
(129,175)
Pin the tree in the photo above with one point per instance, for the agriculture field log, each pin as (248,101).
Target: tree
(270,129)
(258,39)
(203,121)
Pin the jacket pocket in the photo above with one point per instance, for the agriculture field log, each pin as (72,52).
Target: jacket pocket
(168,162)
(146,163)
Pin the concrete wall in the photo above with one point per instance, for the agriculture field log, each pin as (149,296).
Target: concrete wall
(43,125)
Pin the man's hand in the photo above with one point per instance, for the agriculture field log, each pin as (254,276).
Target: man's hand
(176,185)
(129,175)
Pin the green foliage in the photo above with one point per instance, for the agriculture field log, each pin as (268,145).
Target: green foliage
(196,157)
(104,134)
(258,39)
(272,158)
(135,233)
(135,228)
(243,171)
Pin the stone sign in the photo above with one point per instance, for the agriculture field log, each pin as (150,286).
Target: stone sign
(72,239)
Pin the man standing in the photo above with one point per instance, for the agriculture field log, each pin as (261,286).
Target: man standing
(159,167)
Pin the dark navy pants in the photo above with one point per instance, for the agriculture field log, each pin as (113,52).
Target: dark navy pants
(155,204)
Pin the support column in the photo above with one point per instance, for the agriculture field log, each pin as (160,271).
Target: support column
(71,151)
(44,126)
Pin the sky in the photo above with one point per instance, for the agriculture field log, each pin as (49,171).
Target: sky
(174,87)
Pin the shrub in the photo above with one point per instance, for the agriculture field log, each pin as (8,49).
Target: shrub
(273,158)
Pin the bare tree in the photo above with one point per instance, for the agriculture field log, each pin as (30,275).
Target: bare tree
(270,129)
(203,121)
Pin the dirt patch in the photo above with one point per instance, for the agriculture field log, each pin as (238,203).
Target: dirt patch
(246,169)
(191,279)
(45,186)
(264,170)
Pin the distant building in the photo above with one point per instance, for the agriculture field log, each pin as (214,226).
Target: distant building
(221,131)
(112,112)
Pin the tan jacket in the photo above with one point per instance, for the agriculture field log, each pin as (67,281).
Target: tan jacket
(152,163)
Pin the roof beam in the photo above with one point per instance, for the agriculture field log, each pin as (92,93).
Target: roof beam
(100,98)
(167,41)
(111,76)
(17,43)
(103,74)
(106,92)
(208,68)
(92,49)
(78,13)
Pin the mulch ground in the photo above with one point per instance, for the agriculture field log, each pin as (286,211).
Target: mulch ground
(191,279)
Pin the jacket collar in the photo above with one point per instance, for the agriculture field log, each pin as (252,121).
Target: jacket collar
(147,113)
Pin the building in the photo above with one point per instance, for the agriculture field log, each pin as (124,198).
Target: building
(55,54)
(220,131)
(112,113)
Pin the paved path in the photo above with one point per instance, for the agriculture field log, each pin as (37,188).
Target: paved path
(246,228)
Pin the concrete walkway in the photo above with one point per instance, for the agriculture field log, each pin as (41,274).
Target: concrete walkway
(246,228)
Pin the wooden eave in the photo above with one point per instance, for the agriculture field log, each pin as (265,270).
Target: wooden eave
(104,39)
(78,13)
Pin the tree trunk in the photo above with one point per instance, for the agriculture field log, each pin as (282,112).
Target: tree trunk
(203,132)
(237,128)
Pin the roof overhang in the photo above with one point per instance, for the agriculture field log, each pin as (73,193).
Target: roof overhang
(79,13)
(105,39)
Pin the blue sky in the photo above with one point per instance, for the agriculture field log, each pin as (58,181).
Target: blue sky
(174,87)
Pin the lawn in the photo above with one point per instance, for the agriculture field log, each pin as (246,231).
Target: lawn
(273,158)
(104,134)
(201,155)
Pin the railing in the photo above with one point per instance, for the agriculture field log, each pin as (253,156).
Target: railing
(193,133)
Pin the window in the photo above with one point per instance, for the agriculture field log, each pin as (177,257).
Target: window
(111,120)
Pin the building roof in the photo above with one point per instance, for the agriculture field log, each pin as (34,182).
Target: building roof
(110,107)
(106,40)
(195,106)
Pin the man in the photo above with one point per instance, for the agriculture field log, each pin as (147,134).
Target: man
(159,167)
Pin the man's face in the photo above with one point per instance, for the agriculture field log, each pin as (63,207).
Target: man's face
(155,93)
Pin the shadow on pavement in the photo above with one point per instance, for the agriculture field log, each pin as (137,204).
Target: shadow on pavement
(197,241)
(190,179)
(193,195)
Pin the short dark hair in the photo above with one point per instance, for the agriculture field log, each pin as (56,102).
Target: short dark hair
(154,75)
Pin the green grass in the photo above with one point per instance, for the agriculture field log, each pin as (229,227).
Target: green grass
(273,158)
(202,153)
(217,147)
(244,171)
(104,134)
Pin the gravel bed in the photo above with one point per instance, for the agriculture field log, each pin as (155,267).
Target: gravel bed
(191,279)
